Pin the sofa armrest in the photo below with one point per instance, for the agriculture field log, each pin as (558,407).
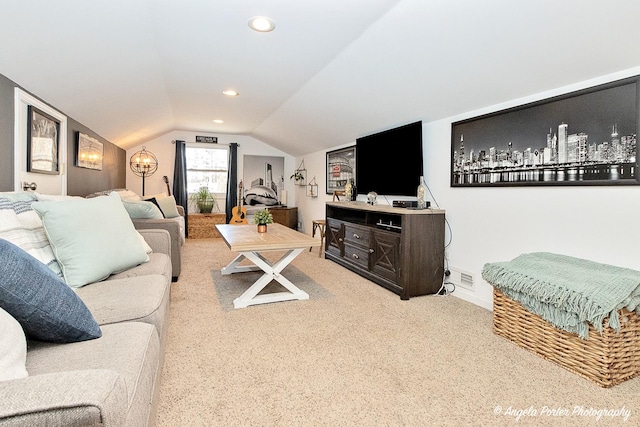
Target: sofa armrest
(180,210)
(159,240)
(84,397)
(173,227)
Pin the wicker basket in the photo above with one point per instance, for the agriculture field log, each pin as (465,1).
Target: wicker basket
(606,359)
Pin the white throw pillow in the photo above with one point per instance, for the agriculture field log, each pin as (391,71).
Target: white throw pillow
(13,348)
(91,238)
(168,207)
(145,245)
(21,225)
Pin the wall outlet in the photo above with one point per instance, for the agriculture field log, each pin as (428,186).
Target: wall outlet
(461,278)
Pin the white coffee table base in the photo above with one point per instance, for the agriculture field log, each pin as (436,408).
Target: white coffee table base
(271,272)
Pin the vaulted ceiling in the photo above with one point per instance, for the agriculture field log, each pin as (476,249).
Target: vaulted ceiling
(332,70)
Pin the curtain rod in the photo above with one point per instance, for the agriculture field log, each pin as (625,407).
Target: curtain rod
(212,143)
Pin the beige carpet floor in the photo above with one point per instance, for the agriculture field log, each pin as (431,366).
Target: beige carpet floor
(359,356)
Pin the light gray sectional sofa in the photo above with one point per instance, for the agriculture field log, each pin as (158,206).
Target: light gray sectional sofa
(112,380)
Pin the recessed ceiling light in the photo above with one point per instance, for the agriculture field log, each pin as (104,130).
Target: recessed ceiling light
(230,92)
(261,24)
(218,121)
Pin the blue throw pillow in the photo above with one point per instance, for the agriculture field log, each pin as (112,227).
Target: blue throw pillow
(46,308)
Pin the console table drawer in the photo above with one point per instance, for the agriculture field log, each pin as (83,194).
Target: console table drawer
(357,255)
(356,235)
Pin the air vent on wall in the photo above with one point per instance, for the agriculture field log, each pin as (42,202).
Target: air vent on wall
(461,278)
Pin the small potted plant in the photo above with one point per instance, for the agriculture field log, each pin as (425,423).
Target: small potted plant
(298,177)
(205,200)
(262,218)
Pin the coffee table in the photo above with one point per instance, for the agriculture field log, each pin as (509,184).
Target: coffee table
(246,240)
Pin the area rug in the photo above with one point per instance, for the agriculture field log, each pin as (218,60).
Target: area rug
(230,287)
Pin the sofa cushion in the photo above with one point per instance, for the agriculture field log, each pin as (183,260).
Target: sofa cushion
(91,238)
(143,299)
(13,348)
(44,305)
(21,225)
(108,381)
(158,263)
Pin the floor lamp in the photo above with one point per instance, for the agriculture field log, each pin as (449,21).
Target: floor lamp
(144,164)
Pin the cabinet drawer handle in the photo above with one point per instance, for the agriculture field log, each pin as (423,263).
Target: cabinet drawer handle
(355,256)
(356,236)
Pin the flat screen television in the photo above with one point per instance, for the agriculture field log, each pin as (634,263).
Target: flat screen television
(390,162)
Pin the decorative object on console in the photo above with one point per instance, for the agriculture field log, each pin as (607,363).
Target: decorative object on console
(372,198)
(312,188)
(341,167)
(42,142)
(587,137)
(262,218)
(143,163)
(348,190)
(422,194)
(89,152)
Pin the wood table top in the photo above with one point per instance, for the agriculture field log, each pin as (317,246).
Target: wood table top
(245,238)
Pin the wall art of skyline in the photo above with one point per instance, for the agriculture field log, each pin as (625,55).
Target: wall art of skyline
(582,138)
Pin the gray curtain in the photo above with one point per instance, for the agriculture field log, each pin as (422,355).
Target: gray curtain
(180,182)
(232,180)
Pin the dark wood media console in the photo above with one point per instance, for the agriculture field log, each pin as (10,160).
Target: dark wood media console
(400,249)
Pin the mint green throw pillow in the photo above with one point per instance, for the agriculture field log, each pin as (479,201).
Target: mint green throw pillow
(19,196)
(141,209)
(91,238)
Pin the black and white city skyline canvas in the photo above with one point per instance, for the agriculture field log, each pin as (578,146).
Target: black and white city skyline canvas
(582,138)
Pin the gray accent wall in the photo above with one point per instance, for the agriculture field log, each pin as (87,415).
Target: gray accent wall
(6,133)
(80,181)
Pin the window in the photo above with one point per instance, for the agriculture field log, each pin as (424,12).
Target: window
(207,167)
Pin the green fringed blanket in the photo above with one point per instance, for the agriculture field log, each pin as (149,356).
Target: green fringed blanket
(567,292)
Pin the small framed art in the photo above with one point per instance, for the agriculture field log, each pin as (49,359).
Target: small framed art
(43,136)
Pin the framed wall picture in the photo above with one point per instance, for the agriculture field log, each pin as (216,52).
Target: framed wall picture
(263,180)
(586,137)
(341,167)
(89,152)
(43,135)
(312,188)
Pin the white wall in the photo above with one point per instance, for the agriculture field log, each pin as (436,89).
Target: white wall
(599,223)
(165,152)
